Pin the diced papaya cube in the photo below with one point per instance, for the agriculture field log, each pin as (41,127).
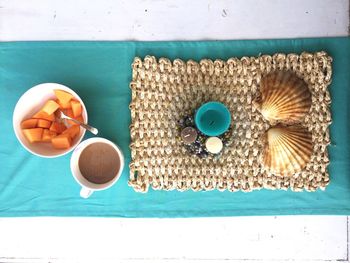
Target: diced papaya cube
(47,135)
(50,107)
(76,108)
(63,96)
(43,123)
(29,123)
(80,118)
(44,115)
(62,141)
(63,106)
(33,135)
(57,127)
(72,131)
(69,113)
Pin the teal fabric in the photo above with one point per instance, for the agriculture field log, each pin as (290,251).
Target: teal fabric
(100,73)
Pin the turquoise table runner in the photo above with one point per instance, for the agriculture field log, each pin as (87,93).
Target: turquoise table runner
(100,73)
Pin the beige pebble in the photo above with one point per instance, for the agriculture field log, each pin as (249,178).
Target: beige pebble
(214,145)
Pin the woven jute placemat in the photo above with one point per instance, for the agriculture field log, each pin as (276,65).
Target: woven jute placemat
(165,91)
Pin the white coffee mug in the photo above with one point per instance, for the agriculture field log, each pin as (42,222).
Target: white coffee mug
(88,187)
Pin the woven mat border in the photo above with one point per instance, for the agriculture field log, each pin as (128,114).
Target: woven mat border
(164,90)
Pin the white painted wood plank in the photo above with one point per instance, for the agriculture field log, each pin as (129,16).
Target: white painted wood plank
(184,260)
(171,19)
(240,238)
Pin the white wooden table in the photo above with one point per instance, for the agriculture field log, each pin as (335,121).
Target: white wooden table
(239,239)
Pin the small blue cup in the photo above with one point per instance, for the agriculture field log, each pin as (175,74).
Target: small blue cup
(213,118)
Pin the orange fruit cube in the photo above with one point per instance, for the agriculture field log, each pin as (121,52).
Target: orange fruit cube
(43,123)
(76,108)
(33,135)
(62,141)
(63,96)
(44,115)
(29,123)
(48,135)
(57,127)
(63,106)
(72,131)
(50,107)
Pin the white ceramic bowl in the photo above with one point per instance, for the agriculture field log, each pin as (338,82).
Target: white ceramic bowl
(30,103)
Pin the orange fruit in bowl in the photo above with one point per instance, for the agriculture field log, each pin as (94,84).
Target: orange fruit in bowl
(37,126)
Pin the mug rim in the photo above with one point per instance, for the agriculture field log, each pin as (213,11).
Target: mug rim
(75,157)
(223,109)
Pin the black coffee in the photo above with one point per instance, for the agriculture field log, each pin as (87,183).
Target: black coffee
(99,163)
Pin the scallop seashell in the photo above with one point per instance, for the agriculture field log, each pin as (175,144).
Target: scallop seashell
(284,97)
(287,149)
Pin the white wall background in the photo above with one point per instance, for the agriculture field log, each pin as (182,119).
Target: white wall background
(237,239)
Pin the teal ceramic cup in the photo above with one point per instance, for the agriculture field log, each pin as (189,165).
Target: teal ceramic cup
(213,118)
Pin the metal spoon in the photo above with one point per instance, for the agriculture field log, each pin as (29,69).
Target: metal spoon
(86,126)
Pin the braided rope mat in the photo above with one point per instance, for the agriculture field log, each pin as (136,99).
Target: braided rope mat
(165,91)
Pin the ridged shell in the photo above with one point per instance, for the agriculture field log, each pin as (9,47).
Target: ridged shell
(284,97)
(287,149)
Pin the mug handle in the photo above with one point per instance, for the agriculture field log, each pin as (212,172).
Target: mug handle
(85,192)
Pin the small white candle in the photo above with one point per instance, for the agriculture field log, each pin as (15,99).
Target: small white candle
(214,145)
